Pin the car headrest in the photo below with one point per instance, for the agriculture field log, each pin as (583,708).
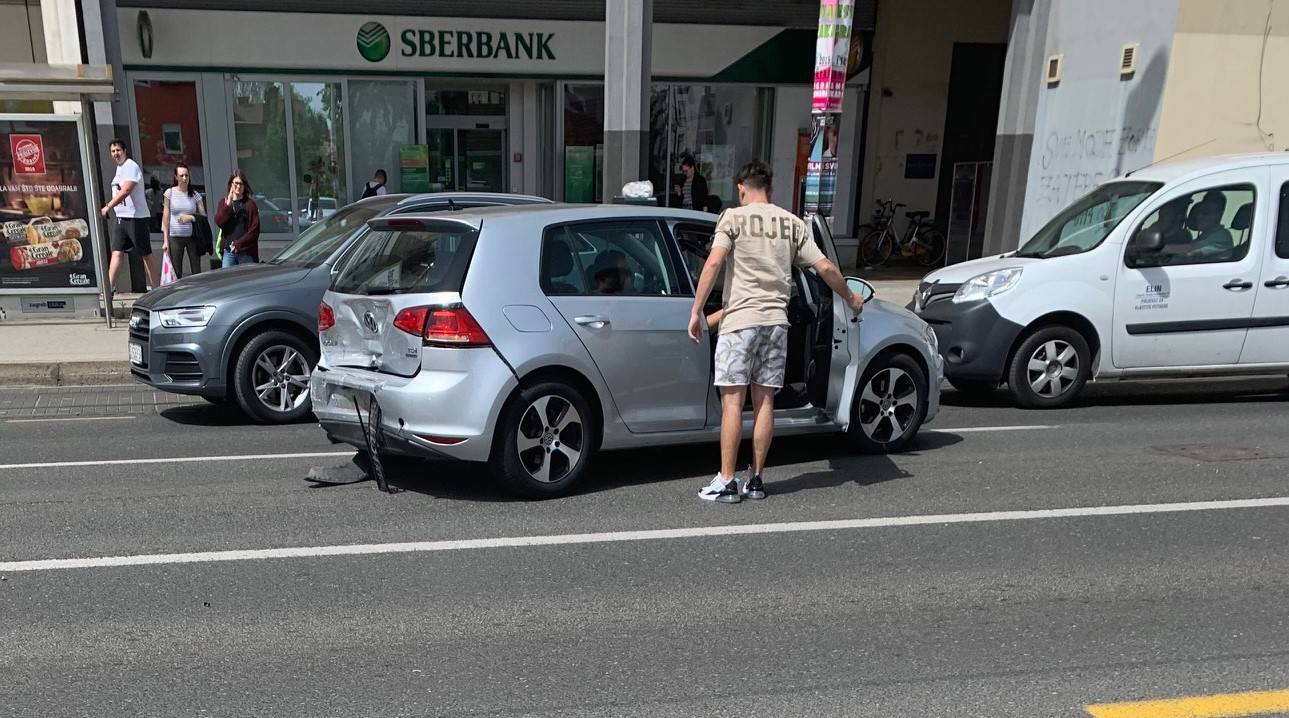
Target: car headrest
(558,260)
(1243,216)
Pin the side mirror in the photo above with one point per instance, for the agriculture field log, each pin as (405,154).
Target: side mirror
(860,287)
(1148,241)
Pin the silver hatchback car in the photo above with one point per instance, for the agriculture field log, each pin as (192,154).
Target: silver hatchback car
(531,337)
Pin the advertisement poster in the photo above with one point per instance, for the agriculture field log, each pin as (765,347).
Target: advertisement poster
(44,213)
(832,53)
(414,168)
(821,168)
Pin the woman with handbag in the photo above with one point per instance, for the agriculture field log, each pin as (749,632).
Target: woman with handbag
(238,219)
(181,207)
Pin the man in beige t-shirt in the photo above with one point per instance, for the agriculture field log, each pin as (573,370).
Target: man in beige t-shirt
(757,243)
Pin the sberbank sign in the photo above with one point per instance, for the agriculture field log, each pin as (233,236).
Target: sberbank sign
(374,44)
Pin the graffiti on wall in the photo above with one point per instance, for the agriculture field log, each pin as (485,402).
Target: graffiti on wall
(1074,162)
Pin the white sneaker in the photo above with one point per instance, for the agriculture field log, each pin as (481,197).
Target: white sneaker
(726,492)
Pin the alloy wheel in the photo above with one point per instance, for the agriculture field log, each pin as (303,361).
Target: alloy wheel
(1053,368)
(550,439)
(281,378)
(888,405)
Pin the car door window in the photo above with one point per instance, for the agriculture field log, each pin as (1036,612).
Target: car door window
(1206,227)
(1282,224)
(609,259)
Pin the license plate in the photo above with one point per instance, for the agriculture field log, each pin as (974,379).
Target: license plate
(136,354)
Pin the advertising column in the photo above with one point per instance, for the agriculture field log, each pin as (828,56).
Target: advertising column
(44,211)
(832,53)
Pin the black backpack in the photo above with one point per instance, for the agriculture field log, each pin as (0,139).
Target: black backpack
(370,191)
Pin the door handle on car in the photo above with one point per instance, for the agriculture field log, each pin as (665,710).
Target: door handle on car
(1235,284)
(1277,282)
(593,321)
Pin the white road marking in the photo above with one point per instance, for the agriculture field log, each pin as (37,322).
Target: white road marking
(983,429)
(69,418)
(646,535)
(176,460)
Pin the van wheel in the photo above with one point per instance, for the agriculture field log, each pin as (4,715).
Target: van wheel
(890,406)
(1049,368)
(546,435)
(271,377)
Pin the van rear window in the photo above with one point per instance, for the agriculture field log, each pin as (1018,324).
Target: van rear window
(409,262)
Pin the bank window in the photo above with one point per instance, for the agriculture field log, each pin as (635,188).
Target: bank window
(621,258)
(1282,228)
(1206,227)
(259,128)
(172,138)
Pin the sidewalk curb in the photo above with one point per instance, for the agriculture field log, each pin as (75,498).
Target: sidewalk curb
(65,373)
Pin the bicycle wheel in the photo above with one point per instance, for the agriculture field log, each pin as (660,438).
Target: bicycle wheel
(929,247)
(875,248)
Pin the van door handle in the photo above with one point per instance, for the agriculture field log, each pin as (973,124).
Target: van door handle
(593,321)
(1235,284)
(1277,282)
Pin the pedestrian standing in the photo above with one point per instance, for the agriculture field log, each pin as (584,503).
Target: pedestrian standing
(757,245)
(238,219)
(181,207)
(376,186)
(691,192)
(130,230)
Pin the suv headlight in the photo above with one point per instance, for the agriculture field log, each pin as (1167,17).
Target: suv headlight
(190,317)
(932,340)
(987,285)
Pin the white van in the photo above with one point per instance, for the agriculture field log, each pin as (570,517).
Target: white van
(1176,270)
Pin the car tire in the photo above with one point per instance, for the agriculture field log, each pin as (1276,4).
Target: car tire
(882,419)
(1049,368)
(251,375)
(974,388)
(546,435)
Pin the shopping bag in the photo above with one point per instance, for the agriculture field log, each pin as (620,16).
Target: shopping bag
(219,242)
(167,270)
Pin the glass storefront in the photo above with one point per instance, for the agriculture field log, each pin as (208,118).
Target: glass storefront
(260,134)
(317,119)
(721,126)
(382,118)
(466,133)
(169,133)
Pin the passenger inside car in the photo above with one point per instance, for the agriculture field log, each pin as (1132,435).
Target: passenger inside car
(1171,222)
(1213,240)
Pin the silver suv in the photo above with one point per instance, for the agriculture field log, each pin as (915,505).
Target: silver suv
(531,337)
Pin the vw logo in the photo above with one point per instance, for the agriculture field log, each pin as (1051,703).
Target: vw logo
(369,321)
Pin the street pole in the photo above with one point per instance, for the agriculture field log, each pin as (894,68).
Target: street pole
(832,52)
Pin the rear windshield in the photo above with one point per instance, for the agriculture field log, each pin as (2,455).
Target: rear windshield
(321,240)
(409,261)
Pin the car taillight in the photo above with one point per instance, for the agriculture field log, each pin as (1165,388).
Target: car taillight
(455,327)
(326,317)
(411,320)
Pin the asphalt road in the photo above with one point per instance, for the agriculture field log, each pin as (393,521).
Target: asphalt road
(1039,612)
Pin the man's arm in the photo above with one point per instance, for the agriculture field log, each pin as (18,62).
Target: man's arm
(706,283)
(126,188)
(832,276)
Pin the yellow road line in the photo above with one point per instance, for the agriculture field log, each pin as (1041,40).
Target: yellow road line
(1227,705)
(67,418)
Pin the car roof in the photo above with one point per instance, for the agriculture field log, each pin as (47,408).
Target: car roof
(1173,170)
(406,199)
(551,213)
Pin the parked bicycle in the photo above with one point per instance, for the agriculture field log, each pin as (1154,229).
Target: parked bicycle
(921,242)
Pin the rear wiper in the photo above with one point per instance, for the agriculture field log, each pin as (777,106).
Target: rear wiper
(384,291)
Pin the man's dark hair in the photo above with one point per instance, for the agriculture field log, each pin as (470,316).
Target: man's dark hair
(118,141)
(381,174)
(755,175)
(688,161)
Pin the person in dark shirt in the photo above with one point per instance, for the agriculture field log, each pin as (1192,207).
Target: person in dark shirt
(238,218)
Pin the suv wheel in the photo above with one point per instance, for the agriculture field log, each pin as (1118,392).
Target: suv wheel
(546,435)
(1049,368)
(890,405)
(271,377)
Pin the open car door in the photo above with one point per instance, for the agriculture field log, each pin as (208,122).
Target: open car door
(843,370)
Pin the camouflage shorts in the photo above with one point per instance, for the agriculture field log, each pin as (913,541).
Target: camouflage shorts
(756,355)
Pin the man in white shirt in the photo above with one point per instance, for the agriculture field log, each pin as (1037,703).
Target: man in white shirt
(130,230)
(376,187)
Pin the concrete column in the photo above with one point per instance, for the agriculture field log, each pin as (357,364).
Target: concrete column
(1022,83)
(628,36)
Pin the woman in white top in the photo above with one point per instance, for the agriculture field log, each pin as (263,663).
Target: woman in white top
(181,208)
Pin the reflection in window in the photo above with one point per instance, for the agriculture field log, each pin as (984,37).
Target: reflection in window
(382,118)
(583,143)
(317,123)
(259,126)
(485,101)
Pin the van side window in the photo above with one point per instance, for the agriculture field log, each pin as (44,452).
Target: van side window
(1206,227)
(1282,226)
